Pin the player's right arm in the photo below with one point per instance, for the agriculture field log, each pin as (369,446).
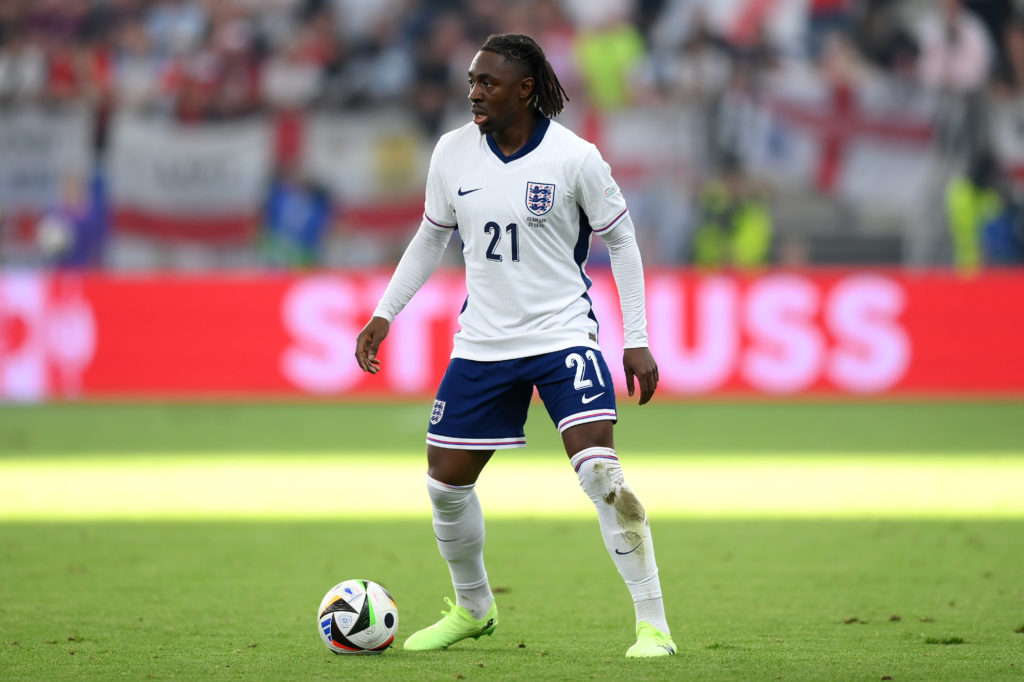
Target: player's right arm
(418,263)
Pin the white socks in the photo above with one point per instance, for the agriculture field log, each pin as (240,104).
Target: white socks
(459,528)
(625,529)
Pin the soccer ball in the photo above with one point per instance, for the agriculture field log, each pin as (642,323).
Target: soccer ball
(357,617)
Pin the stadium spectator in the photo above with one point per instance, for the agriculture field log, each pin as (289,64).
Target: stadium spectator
(973,200)
(1009,78)
(381,66)
(701,67)
(957,56)
(73,233)
(696,75)
(826,17)
(139,72)
(734,227)
(994,15)
(176,26)
(291,78)
(610,56)
(882,39)
(23,66)
(1003,236)
(333,50)
(435,71)
(956,50)
(297,215)
(236,63)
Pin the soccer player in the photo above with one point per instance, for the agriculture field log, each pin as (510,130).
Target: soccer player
(526,194)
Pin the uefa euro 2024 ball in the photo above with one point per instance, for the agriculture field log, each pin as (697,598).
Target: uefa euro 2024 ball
(357,617)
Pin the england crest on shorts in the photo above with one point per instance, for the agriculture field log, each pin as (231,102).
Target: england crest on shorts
(540,197)
(437,412)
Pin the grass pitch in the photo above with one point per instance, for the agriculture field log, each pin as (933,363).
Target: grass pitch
(747,600)
(721,428)
(840,541)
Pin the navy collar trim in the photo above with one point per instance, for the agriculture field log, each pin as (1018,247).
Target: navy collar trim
(535,139)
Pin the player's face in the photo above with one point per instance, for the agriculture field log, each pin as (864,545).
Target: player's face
(497,91)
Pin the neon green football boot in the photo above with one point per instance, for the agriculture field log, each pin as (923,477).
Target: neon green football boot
(650,641)
(458,624)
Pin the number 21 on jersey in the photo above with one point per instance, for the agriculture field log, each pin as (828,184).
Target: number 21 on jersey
(494,230)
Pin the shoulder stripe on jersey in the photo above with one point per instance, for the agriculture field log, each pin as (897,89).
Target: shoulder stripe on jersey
(613,223)
(434,222)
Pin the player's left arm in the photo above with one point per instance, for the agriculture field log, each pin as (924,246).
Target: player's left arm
(628,271)
(604,204)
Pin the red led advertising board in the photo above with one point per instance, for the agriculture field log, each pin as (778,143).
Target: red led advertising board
(265,335)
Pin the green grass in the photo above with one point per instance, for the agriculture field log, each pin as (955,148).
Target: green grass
(682,427)
(747,600)
(799,541)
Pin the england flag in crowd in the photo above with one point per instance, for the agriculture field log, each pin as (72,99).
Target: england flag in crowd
(869,142)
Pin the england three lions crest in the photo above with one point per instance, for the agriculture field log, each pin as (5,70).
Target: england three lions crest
(437,412)
(540,197)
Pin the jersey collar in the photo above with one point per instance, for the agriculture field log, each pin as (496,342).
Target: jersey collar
(535,139)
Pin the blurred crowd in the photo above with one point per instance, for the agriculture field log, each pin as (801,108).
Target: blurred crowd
(215,60)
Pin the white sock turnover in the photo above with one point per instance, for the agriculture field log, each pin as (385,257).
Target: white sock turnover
(459,529)
(625,529)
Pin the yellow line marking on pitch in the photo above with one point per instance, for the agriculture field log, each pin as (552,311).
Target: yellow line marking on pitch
(221,486)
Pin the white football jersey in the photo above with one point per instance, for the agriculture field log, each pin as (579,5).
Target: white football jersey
(526,222)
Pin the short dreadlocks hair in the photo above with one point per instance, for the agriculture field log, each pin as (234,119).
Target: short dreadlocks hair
(523,51)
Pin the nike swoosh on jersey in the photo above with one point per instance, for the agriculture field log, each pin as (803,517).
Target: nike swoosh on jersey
(591,398)
(468,191)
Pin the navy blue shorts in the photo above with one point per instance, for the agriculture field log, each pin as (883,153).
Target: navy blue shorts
(483,405)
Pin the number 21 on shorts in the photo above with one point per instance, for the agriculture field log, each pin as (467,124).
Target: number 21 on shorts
(579,364)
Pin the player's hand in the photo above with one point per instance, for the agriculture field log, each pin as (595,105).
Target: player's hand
(368,343)
(640,364)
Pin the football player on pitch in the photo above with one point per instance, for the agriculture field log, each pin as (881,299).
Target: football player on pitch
(526,194)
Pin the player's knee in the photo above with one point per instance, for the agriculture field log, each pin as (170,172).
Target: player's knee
(599,472)
(601,477)
(455,467)
(446,497)
(446,475)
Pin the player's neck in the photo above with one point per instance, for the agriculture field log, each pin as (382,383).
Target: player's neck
(511,139)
